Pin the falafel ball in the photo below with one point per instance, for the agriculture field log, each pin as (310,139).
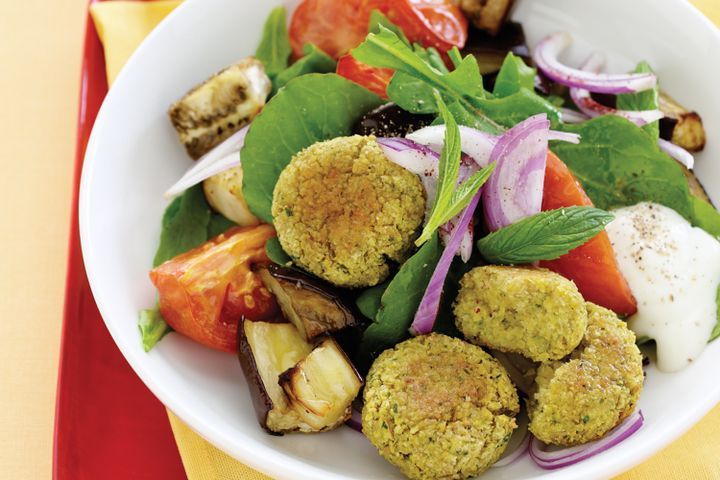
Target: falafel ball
(584,398)
(342,210)
(439,408)
(533,312)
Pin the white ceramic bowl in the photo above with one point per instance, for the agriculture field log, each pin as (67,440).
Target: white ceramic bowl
(134,155)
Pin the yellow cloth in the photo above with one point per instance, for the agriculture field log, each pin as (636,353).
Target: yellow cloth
(694,456)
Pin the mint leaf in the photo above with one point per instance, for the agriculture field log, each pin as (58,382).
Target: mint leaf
(514,75)
(152,327)
(276,253)
(311,108)
(314,61)
(645,100)
(544,236)
(466,191)
(184,225)
(274,49)
(401,299)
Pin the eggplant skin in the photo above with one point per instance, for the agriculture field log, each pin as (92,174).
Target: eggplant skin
(681,126)
(313,306)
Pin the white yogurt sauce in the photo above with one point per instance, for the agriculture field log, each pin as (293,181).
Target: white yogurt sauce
(673,270)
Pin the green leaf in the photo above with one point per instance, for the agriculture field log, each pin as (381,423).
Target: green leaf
(378,19)
(705,216)
(369,301)
(716,331)
(432,57)
(514,76)
(411,94)
(276,253)
(448,170)
(274,49)
(618,165)
(513,109)
(310,108)
(184,225)
(152,327)
(386,50)
(314,61)
(466,191)
(401,299)
(218,224)
(645,100)
(544,236)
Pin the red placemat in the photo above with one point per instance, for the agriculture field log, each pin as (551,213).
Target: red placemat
(108,425)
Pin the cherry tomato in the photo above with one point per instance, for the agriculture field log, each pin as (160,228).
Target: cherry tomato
(374,79)
(204,292)
(338,26)
(591,266)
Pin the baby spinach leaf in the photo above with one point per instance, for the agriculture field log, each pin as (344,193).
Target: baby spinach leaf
(218,224)
(705,216)
(513,109)
(314,61)
(514,75)
(368,302)
(276,253)
(274,49)
(543,236)
(645,100)
(400,300)
(184,225)
(310,108)
(152,327)
(618,164)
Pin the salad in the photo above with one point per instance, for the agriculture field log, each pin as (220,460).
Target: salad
(402,221)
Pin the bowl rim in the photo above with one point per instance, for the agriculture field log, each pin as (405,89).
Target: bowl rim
(242,447)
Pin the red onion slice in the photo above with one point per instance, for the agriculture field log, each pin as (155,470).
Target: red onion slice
(474,143)
(564,137)
(223,157)
(514,190)
(546,58)
(430,304)
(584,101)
(678,153)
(551,460)
(571,116)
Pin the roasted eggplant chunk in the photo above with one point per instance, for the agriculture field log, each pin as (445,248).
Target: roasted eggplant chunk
(487,15)
(313,307)
(681,126)
(220,106)
(390,120)
(296,386)
(322,387)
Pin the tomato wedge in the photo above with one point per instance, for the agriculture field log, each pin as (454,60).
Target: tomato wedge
(204,292)
(592,266)
(336,26)
(374,79)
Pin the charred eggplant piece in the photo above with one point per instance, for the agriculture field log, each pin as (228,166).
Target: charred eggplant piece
(486,15)
(322,387)
(313,307)
(266,350)
(389,120)
(681,126)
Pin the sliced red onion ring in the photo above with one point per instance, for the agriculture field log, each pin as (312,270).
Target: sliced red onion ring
(430,303)
(474,143)
(546,58)
(678,153)
(355,421)
(584,101)
(223,157)
(514,190)
(551,460)
(571,116)
(518,444)
(564,136)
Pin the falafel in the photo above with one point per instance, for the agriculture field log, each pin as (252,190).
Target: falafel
(439,408)
(533,312)
(584,398)
(342,210)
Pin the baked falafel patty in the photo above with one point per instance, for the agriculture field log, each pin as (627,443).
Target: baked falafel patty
(584,398)
(439,408)
(533,312)
(342,210)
